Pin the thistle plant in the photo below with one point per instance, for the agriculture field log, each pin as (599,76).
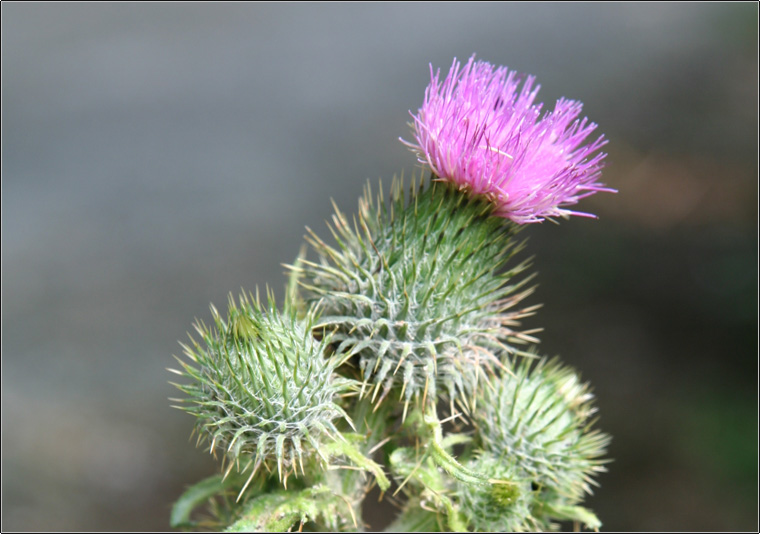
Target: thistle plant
(399,358)
(419,292)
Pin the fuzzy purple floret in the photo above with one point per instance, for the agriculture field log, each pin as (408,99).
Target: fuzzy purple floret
(481,131)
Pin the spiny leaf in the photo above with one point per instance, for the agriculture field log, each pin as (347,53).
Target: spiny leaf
(193,497)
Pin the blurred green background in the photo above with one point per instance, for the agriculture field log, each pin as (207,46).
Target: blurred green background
(157,156)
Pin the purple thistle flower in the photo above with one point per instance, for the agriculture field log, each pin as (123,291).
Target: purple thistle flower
(479,130)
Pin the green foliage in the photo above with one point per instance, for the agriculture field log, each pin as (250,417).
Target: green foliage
(192,498)
(419,298)
(423,481)
(279,510)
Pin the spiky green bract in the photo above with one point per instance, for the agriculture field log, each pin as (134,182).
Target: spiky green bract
(539,417)
(501,507)
(417,290)
(261,386)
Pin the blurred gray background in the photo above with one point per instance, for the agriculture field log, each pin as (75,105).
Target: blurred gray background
(157,156)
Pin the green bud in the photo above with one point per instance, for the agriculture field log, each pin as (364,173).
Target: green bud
(417,291)
(539,417)
(502,506)
(261,387)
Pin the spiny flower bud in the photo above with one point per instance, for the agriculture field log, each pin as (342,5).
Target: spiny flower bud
(416,291)
(538,417)
(504,506)
(261,386)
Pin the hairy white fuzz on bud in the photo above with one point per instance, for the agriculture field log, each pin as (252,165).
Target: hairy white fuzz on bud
(417,290)
(261,386)
(538,417)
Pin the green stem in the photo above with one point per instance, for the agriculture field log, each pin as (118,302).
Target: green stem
(192,497)
(443,458)
(370,426)
(349,450)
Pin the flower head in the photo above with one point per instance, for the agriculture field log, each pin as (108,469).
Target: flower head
(540,415)
(428,303)
(261,386)
(481,131)
(501,507)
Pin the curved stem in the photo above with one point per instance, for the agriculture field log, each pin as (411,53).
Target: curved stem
(443,458)
(347,449)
